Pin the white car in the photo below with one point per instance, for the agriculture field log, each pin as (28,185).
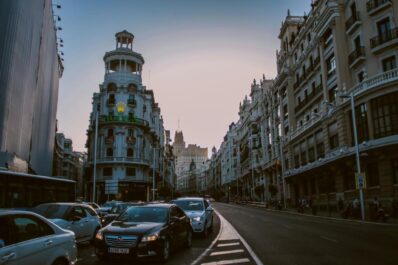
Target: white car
(28,238)
(199,211)
(80,218)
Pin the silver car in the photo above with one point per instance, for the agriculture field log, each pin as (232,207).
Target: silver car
(28,238)
(199,211)
(80,218)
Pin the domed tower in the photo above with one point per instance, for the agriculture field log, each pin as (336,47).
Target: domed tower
(129,126)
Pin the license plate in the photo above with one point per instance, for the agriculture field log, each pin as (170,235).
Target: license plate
(119,250)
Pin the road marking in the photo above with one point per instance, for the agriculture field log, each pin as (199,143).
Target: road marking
(225,262)
(329,239)
(226,252)
(228,244)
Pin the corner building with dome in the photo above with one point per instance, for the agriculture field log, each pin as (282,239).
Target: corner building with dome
(131,141)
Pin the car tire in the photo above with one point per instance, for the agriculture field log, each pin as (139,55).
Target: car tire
(165,251)
(188,242)
(205,232)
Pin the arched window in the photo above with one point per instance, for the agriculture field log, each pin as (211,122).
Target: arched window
(130,152)
(132,88)
(111,87)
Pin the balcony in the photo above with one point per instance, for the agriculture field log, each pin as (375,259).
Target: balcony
(352,23)
(130,140)
(375,82)
(309,98)
(123,160)
(112,119)
(109,139)
(356,56)
(131,102)
(374,6)
(385,40)
(111,102)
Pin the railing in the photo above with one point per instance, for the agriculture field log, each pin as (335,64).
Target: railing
(373,4)
(131,102)
(354,18)
(375,81)
(109,139)
(305,126)
(383,38)
(110,102)
(310,96)
(358,52)
(137,160)
(124,119)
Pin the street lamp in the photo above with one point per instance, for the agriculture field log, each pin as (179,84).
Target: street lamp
(358,162)
(153,174)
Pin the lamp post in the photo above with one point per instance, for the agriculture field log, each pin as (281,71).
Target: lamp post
(282,170)
(358,162)
(95,155)
(153,174)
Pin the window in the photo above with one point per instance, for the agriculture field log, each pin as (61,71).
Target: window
(357,43)
(385,115)
(331,65)
(320,147)
(389,63)
(333,136)
(109,152)
(297,156)
(130,152)
(90,211)
(311,149)
(144,108)
(361,76)
(130,171)
(107,172)
(303,149)
(6,238)
(110,132)
(372,174)
(309,37)
(29,227)
(361,118)
(333,94)
(394,164)
(77,212)
(383,29)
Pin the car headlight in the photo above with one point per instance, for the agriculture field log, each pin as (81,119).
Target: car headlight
(151,237)
(196,218)
(99,235)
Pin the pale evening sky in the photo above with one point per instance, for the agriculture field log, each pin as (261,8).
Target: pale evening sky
(200,57)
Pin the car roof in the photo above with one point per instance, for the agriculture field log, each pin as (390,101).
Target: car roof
(65,203)
(161,205)
(4,212)
(189,198)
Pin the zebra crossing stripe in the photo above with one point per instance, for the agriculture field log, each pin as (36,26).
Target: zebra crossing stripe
(228,244)
(226,262)
(226,252)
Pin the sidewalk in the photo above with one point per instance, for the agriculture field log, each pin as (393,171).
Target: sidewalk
(308,212)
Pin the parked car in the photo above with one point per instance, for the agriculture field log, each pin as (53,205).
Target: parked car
(78,217)
(28,238)
(116,211)
(148,231)
(199,211)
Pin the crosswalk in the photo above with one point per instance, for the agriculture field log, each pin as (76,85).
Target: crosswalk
(228,248)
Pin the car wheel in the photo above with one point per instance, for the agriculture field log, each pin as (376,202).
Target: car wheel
(205,232)
(165,252)
(188,242)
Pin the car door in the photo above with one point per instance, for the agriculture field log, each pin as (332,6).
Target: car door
(175,226)
(78,222)
(31,241)
(184,220)
(93,220)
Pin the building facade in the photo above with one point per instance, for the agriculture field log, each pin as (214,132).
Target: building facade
(302,127)
(185,154)
(30,68)
(131,144)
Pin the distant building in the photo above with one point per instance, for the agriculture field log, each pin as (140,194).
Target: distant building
(68,163)
(30,68)
(132,144)
(184,157)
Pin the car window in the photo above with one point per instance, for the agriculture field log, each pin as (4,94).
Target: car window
(78,211)
(5,233)
(51,211)
(29,227)
(190,205)
(90,211)
(144,214)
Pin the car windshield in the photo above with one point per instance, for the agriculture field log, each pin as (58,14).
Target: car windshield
(117,209)
(51,211)
(190,205)
(144,214)
(108,204)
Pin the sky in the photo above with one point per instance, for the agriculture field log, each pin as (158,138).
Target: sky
(200,57)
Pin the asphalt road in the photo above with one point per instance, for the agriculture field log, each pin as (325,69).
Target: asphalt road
(280,238)
(86,254)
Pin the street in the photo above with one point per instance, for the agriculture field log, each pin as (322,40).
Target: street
(86,254)
(280,238)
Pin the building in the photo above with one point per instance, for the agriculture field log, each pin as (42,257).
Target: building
(295,135)
(131,138)
(184,156)
(68,163)
(30,68)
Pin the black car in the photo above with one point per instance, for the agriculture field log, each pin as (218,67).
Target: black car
(147,231)
(116,210)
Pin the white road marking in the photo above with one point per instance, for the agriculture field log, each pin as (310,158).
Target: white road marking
(226,252)
(225,262)
(228,244)
(329,239)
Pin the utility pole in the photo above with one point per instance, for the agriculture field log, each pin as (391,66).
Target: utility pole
(95,155)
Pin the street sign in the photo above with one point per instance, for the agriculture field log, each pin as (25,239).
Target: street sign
(111,186)
(360,180)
